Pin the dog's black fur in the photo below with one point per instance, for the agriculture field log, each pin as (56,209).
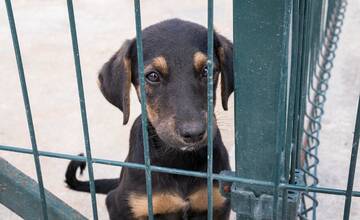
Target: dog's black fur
(176,93)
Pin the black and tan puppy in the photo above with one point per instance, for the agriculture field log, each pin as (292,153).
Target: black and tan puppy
(175,56)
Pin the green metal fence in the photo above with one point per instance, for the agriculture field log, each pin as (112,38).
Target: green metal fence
(283,52)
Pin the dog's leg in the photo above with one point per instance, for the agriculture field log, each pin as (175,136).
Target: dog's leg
(222,213)
(117,205)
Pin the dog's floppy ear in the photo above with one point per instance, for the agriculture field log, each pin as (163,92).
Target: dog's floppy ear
(115,79)
(224,51)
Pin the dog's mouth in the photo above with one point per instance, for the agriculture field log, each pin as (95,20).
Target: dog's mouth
(174,141)
(186,140)
(188,148)
(193,145)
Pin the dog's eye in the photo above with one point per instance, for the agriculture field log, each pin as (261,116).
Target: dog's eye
(153,77)
(204,72)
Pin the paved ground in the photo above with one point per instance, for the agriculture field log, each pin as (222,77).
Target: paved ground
(46,48)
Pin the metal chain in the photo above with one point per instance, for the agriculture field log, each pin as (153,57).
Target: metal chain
(316,98)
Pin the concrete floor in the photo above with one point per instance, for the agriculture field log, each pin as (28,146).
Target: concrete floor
(48,62)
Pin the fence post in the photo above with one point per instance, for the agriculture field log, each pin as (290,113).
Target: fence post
(261,64)
(20,193)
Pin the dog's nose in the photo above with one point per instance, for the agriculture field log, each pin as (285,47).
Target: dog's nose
(192,131)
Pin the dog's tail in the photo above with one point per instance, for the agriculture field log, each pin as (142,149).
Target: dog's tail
(102,186)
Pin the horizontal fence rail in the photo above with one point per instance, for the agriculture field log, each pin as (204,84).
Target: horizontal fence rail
(325,190)
(288,111)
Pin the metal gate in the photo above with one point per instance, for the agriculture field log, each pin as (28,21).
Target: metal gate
(283,53)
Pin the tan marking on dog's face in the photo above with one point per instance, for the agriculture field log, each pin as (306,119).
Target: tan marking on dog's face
(152,113)
(199,60)
(159,63)
(162,203)
(151,108)
(199,199)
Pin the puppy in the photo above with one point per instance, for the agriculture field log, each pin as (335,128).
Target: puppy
(175,58)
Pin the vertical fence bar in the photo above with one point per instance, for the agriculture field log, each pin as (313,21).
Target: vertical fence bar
(210,107)
(303,68)
(293,29)
(296,64)
(354,154)
(257,78)
(281,115)
(317,19)
(82,105)
(311,130)
(143,107)
(302,85)
(308,71)
(301,81)
(27,106)
(318,85)
(260,77)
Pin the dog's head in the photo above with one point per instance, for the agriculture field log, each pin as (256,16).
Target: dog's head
(175,58)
